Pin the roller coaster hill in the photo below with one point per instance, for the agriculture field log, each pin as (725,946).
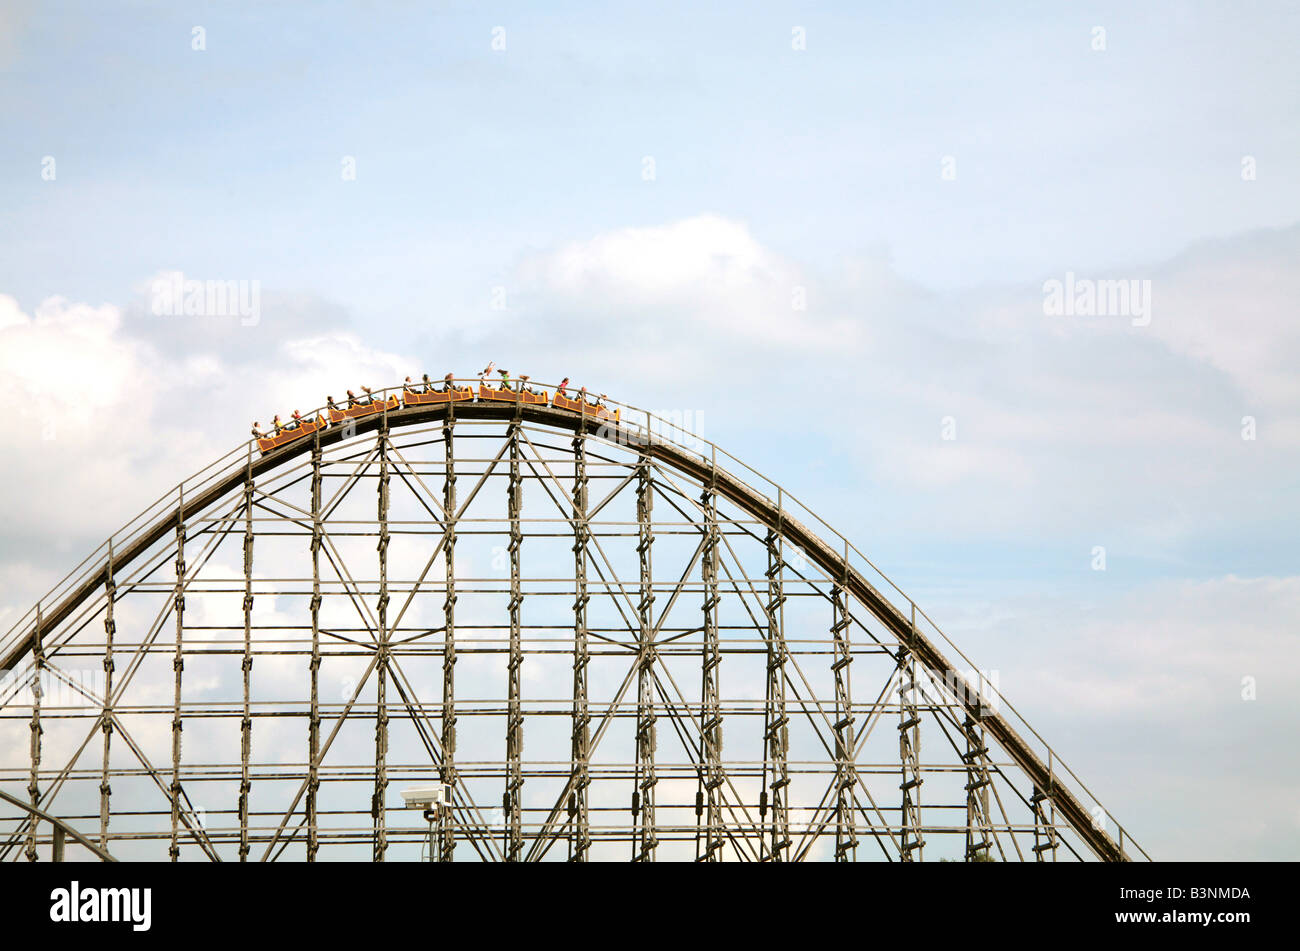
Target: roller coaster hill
(597,636)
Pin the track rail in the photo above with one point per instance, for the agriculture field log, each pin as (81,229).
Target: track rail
(62,829)
(209,487)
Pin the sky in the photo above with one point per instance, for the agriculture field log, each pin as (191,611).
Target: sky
(827,232)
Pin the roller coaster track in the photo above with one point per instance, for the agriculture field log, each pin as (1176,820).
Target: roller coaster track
(700,461)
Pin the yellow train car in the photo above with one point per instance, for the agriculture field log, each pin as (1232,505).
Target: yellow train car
(585,408)
(286,436)
(456,395)
(501,395)
(365,409)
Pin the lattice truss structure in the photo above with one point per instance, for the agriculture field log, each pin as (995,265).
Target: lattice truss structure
(600,655)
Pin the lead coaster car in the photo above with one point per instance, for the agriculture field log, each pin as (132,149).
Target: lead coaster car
(587,409)
(305,428)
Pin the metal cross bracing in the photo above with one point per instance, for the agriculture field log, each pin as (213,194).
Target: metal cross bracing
(591,646)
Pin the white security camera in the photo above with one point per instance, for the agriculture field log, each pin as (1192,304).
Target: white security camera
(427,797)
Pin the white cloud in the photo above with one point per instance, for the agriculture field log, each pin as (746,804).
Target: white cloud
(702,281)
(67,356)
(102,422)
(1232,306)
(707,250)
